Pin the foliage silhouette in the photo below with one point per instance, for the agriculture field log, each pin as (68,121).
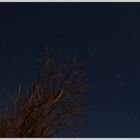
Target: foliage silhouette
(53,105)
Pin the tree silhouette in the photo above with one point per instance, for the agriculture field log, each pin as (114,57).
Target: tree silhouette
(53,105)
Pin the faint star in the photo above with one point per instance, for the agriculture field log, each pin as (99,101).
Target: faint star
(122,84)
(118,75)
(133,46)
(118,102)
(135,118)
(116,117)
(129,29)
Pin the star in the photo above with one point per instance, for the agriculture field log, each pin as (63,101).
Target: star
(116,117)
(122,84)
(129,30)
(135,118)
(133,46)
(118,102)
(118,75)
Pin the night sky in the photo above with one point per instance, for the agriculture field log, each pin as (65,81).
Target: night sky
(113,99)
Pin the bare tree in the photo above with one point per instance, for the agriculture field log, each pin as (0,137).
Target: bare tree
(53,105)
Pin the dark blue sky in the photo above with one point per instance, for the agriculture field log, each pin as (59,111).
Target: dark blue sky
(113,101)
